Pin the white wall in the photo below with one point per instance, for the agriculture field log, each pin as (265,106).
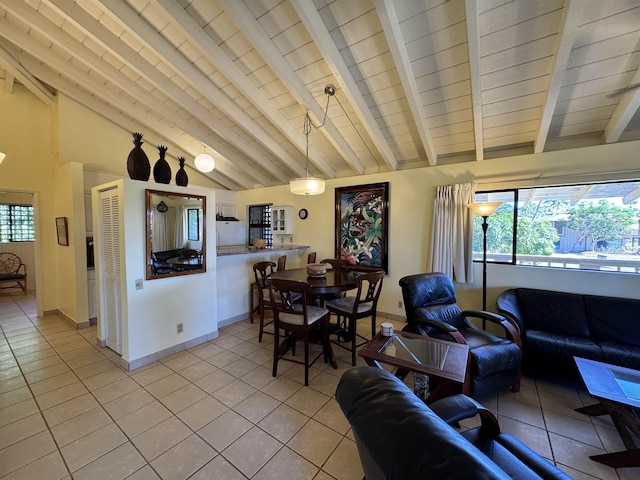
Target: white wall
(152,313)
(235,275)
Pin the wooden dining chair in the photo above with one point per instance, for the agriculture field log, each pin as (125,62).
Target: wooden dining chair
(282,262)
(261,271)
(351,308)
(297,320)
(311,258)
(336,262)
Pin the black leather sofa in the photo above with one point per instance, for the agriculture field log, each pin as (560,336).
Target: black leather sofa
(556,326)
(399,437)
(160,264)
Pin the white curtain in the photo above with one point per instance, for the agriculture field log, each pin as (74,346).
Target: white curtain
(451,243)
(182,225)
(159,231)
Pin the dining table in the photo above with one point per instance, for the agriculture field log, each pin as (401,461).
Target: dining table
(334,281)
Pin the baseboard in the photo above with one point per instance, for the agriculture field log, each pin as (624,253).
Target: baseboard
(72,322)
(152,357)
(391,316)
(231,320)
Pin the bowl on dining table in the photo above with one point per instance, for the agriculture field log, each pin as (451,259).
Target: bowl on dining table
(316,269)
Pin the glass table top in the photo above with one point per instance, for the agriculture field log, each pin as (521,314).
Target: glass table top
(418,350)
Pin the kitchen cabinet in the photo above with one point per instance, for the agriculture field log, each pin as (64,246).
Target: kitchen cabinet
(282,220)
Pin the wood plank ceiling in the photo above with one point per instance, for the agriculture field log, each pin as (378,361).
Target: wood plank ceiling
(419,82)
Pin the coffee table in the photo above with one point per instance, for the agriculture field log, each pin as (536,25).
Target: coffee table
(409,352)
(618,390)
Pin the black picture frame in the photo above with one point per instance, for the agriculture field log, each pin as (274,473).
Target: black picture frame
(62,231)
(361,225)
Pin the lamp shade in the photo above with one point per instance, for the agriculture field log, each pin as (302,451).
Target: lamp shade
(306,186)
(204,162)
(484,209)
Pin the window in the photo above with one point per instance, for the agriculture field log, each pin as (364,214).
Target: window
(260,223)
(16,223)
(587,227)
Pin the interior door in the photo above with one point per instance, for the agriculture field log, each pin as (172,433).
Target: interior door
(110,297)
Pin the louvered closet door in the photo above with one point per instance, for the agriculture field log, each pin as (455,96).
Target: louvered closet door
(110,262)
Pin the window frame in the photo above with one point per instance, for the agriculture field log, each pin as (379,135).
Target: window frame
(264,225)
(516,201)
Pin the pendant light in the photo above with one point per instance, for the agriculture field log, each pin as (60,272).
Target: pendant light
(310,185)
(204,162)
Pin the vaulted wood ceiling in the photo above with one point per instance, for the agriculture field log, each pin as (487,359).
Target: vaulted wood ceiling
(419,82)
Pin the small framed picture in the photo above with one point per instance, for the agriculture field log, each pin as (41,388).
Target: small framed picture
(61,230)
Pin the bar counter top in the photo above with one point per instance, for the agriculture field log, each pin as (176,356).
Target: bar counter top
(243,250)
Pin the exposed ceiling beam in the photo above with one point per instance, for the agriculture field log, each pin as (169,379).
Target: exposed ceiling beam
(35,86)
(214,54)
(624,112)
(473,45)
(243,18)
(122,103)
(9,81)
(391,26)
(581,194)
(317,29)
(82,53)
(571,14)
(138,27)
(631,196)
(90,26)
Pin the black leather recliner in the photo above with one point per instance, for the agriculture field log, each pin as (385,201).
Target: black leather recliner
(400,438)
(430,306)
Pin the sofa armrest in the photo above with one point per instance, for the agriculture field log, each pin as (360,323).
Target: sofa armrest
(511,329)
(441,327)
(458,407)
(507,304)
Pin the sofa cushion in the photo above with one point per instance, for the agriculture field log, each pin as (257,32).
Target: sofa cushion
(616,319)
(621,354)
(554,312)
(491,353)
(549,345)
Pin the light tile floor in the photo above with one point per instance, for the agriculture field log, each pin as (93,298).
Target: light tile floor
(215,412)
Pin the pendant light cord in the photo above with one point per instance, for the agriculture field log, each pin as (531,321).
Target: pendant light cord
(330,91)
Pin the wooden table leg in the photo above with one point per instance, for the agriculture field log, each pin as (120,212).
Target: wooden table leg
(627,458)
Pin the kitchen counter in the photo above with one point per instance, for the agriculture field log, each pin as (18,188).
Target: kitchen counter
(242,250)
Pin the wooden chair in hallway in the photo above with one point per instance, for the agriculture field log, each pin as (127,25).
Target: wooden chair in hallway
(12,271)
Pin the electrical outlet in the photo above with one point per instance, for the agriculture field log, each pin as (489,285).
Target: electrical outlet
(179,328)
(399,303)
(138,284)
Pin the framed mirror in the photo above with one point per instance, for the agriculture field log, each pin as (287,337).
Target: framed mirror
(175,234)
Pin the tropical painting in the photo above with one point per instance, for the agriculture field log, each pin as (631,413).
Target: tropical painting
(361,224)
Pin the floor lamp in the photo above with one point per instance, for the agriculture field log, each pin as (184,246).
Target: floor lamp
(484,209)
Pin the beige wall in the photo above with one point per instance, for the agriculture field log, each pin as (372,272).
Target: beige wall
(38,139)
(411,208)
(26,138)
